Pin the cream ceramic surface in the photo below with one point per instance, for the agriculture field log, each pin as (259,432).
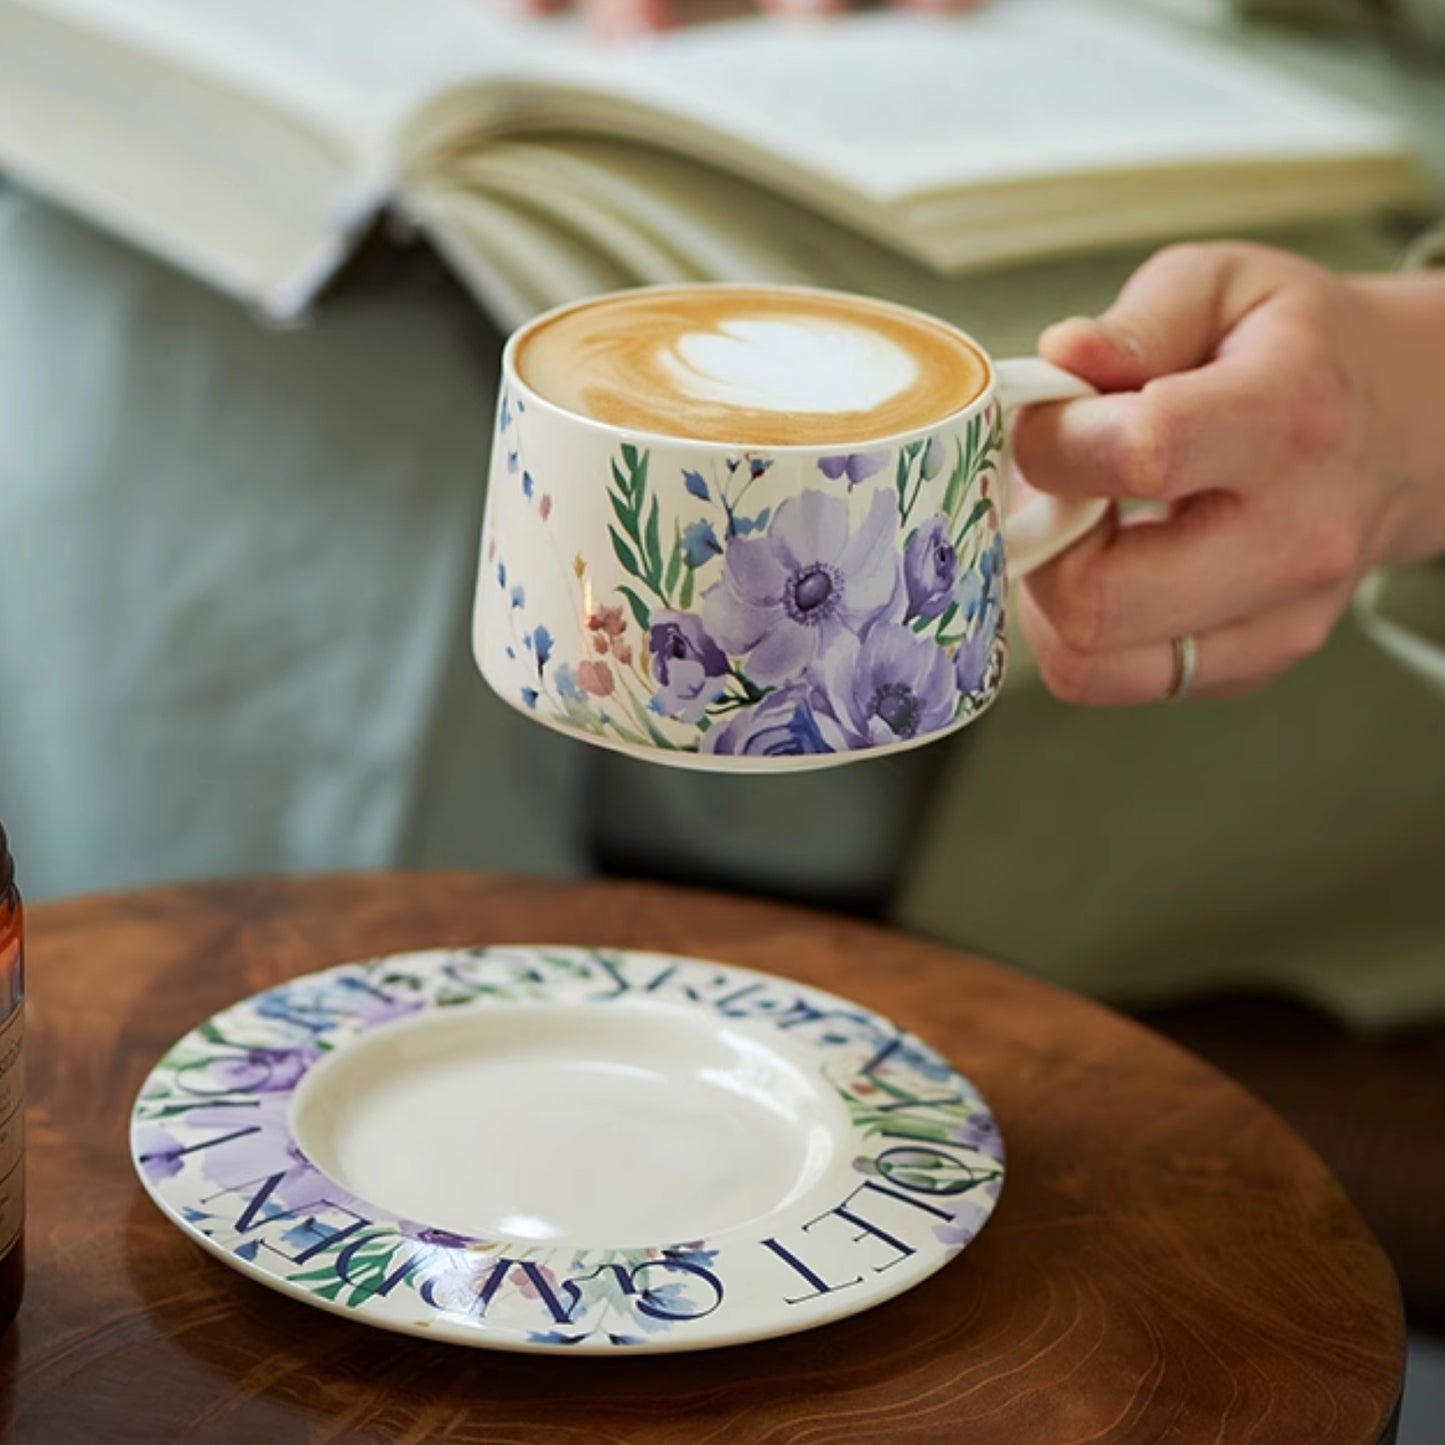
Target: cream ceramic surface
(728,1127)
(567,1149)
(756,609)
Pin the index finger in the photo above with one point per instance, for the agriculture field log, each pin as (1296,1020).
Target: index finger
(1216,428)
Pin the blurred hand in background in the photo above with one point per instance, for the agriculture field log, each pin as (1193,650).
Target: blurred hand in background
(630,17)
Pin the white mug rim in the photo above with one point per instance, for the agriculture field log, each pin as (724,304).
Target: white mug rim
(513,380)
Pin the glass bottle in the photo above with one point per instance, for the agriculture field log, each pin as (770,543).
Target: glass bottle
(12,1090)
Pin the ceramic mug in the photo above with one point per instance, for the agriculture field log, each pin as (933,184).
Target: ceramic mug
(615,564)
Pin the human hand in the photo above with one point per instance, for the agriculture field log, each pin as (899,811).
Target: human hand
(1289,424)
(620,18)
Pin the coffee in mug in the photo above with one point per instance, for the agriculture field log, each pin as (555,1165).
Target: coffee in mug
(760,365)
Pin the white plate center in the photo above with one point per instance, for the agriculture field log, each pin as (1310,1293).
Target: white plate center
(605,1125)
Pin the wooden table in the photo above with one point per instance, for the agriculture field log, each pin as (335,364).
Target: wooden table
(1168,1262)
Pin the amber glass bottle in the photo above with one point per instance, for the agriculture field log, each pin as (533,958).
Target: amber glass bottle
(12,1090)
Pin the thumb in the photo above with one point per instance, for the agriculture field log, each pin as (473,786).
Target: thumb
(1171,316)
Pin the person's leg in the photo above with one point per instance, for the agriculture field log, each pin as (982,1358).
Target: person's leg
(1288,841)
(237,567)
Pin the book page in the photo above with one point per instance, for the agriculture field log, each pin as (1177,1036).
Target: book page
(304,112)
(891,105)
(356,67)
(513,263)
(732,231)
(884,105)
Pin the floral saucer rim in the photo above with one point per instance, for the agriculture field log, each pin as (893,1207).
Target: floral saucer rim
(919,1161)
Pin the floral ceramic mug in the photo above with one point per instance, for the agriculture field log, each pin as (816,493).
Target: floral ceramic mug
(738,608)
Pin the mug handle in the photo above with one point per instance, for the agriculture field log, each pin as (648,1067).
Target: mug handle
(1044,526)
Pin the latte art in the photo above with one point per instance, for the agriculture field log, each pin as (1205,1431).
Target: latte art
(752,366)
(788,365)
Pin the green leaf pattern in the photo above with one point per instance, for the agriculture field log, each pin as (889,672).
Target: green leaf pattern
(672,546)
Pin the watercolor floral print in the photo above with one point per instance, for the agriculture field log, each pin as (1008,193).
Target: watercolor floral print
(212,1137)
(862,609)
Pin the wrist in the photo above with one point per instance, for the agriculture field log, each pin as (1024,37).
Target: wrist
(1402,362)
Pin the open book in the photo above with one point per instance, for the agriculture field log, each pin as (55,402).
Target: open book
(253,141)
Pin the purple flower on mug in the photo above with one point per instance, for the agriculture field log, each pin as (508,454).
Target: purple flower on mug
(980,603)
(782,725)
(856,466)
(688,666)
(980,589)
(740,526)
(990,567)
(699,544)
(892,686)
(992,559)
(930,569)
(785,596)
(971,661)
(971,591)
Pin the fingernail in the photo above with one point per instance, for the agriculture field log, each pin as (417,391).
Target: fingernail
(1122,338)
(1130,343)
(1067,324)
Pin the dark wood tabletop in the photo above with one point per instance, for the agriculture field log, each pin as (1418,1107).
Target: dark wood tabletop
(1168,1262)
